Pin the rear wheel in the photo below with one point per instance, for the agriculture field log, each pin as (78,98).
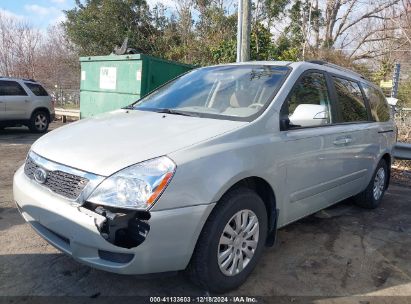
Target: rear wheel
(231,242)
(39,122)
(371,197)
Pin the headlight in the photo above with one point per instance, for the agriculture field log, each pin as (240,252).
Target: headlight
(135,187)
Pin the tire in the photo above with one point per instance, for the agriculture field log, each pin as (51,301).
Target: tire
(372,196)
(204,268)
(39,122)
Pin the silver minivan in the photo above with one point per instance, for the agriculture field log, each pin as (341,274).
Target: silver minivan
(199,174)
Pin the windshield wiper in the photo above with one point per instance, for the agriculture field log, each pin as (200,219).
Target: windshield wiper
(163,110)
(175,112)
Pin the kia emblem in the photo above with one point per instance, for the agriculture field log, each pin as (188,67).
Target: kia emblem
(40,175)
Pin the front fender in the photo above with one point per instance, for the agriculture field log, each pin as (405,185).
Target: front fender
(205,172)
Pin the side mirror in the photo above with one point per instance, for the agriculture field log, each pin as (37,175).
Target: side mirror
(309,115)
(284,124)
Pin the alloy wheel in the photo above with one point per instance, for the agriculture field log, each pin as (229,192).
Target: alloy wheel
(40,122)
(379,184)
(238,242)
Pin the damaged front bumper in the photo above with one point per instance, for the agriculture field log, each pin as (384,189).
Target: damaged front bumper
(167,241)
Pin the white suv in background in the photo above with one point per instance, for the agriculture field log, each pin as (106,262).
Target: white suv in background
(25,102)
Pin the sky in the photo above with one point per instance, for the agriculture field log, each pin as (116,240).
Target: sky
(42,13)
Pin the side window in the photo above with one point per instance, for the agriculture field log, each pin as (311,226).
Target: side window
(350,100)
(308,105)
(380,109)
(37,89)
(11,88)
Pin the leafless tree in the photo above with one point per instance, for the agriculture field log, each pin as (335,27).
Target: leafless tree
(56,62)
(19,44)
(6,45)
(349,25)
(26,52)
(343,15)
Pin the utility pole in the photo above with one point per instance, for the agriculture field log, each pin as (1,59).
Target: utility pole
(243,30)
(246,32)
(307,29)
(239,28)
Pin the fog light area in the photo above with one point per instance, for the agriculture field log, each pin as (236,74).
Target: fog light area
(123,228)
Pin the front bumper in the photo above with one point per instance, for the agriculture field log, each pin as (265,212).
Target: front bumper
(72,229)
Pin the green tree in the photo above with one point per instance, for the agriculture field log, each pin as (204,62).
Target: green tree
(260,43)
(96,26)
(215,32)
(285,49)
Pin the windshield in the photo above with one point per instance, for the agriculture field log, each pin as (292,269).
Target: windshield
(235,91)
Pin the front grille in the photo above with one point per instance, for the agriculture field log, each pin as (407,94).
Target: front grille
(62,183)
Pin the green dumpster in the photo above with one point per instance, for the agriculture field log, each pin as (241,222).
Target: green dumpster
(114,81)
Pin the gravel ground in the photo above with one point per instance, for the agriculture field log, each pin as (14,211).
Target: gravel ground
(332,256)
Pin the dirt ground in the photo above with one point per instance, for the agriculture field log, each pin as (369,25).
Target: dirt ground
(336,254)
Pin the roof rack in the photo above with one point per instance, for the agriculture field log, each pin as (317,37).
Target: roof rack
(24,79)
(337,67)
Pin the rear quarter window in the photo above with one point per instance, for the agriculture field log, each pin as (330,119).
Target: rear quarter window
(380,109)
(37,89)
(350,100)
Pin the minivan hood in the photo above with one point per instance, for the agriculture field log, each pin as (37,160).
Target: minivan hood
(109,142)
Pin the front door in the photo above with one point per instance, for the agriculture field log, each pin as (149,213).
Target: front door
(315,167)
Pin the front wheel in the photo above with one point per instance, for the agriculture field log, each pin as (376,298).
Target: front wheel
(371,197)
(231,242)
(39,122)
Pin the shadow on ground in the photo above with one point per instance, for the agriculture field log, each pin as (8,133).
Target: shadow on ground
(9,216)
(22,135)
(61,275)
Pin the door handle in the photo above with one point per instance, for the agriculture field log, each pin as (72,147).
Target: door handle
(26,100)
(385,131)
(342,141)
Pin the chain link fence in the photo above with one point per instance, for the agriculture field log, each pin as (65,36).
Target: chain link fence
(66,98)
